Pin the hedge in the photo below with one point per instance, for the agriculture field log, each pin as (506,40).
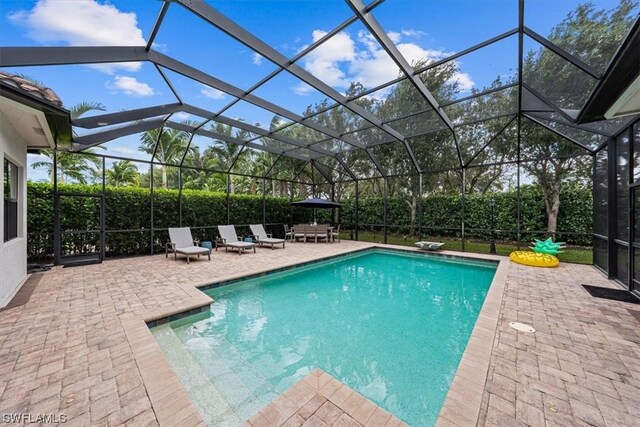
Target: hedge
(128,215)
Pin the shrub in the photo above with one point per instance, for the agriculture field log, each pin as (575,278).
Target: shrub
(128,215)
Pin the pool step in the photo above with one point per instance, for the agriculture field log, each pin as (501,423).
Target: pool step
(216,371)
(244,388)
(207,398)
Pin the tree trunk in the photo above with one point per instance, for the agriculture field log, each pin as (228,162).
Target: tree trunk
(165,184)
(553,210)
(231,186)
(413,205)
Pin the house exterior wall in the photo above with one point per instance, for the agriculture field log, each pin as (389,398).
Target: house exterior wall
(13,254)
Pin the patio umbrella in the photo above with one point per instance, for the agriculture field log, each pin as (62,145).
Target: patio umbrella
(316,203)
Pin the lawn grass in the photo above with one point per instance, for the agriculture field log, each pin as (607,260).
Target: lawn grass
(576,254)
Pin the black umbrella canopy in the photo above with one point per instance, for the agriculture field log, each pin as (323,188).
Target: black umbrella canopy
(316,203)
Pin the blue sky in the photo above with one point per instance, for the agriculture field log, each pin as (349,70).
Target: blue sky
(422,29)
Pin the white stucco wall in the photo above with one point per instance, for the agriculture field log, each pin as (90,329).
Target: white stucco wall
(13,254)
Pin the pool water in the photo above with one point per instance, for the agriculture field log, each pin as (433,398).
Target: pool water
(391,325)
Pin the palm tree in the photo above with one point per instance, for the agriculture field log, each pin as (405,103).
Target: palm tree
(171,146)
(72,165)
(122,173)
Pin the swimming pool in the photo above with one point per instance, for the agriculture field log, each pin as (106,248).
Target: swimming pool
(391,325)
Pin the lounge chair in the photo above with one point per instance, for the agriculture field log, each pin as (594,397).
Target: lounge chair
(429,246)
(230,239)
(181,242)
(263,238)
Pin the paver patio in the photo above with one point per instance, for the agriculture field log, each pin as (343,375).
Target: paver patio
(79,346)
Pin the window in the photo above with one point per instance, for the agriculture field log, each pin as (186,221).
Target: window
(10,200)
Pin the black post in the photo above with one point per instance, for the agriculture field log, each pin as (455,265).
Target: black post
(264,201)
(291,200)
(228,190)
(151,202)
(57,238)
(462,201)
(356,209)
(103,206)
(612,206)
(384,193)
(519,136)
(492,246)
(180,196)
(333,199)
(420,208)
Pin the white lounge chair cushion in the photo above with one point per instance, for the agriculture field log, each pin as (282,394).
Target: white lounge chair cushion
(228,233)
(240,244)
(181,237)
(271,240)
(192,250)
(430,246)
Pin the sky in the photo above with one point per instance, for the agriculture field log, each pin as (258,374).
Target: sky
(421,29)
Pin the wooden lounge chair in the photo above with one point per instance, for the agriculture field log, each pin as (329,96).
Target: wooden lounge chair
(181,242)
(263,238)
(230,239)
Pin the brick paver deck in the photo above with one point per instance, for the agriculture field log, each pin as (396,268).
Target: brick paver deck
(79,346)
(580,367)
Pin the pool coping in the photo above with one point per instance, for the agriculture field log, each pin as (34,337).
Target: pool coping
(172,404)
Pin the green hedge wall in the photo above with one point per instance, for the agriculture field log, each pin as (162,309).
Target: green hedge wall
(128,215)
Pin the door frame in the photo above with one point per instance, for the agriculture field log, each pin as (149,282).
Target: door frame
(57,226)
(634,285)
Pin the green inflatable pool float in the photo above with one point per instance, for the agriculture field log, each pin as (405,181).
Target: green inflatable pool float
(548,247)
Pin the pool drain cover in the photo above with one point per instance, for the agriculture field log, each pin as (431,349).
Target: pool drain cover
(521,327)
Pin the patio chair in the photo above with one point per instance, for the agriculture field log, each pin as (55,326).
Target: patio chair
(181,242)
(230,239)
(335,234)
(263,238)
(320,232)
(300,231)
(311,232)
(288,233)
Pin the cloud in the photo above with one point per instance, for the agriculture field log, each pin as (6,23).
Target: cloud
(181,116)
(302,89)
(160,47)
(344,59)
(413,33)
(122,150)
(212,93)
(131,86)
(324,62)
(82,23)
(256,58)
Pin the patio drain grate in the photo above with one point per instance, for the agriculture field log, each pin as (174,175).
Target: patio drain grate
(611,294)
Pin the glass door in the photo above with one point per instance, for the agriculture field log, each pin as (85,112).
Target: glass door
(79,228)
(634,239)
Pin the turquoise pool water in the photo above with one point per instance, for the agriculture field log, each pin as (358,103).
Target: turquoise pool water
(391,325)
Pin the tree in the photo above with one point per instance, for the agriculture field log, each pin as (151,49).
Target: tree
(122,173)
(594,35)
(171,143)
